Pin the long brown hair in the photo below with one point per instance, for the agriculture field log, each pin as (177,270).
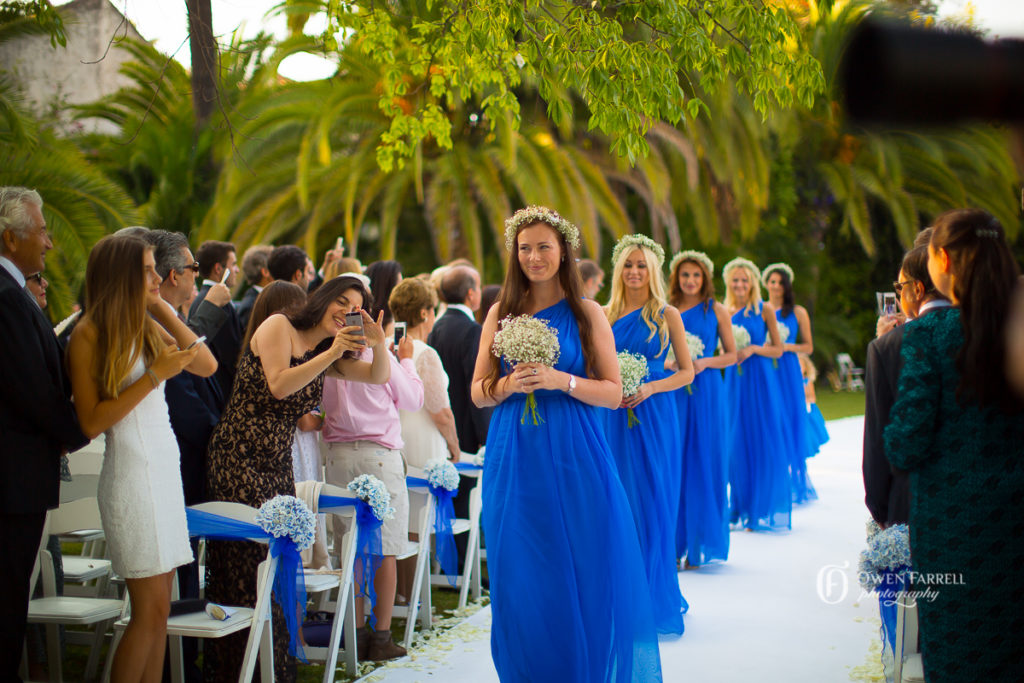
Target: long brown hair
(115,302)
(512,300)
(707,285)
(280,296)
(984,277)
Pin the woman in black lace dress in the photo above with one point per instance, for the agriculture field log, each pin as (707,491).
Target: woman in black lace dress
(279,379)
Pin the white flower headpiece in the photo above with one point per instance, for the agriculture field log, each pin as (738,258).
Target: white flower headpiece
(741,262)
(540,214)
(691,255)
(768,270)
(628,241)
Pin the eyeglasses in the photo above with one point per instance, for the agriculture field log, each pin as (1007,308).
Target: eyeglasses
(37,278)
(898,286)
(194,267)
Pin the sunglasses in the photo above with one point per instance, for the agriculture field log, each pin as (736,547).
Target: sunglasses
(194,267)
(37,278)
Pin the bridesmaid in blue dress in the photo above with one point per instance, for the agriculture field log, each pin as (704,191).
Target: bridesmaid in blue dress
(569,594)
(702,530)
(819,432)
(761,496)
(648,453)
(778,280)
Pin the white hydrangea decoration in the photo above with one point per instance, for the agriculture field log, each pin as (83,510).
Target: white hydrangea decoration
(478,459)
(540,214)
(768,270)
(691,255)
(695,344)
(627,243)
(783,332)
(442,474)
(288,516)
(742,337)
(372,490)
(634,370)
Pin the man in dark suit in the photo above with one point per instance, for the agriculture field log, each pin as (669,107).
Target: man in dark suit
(194,403)
(219,265)
(887,491)
(289,263)
(37,419)
(254,268)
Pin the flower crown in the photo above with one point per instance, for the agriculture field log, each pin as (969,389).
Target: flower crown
(691,255)
(768,270)
(741,262)
(628,241)
(540,214)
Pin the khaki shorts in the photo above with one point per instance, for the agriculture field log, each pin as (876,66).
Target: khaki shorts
(347,460)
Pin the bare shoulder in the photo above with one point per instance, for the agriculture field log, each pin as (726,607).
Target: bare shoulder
(767,310)
(672,313)
(84,331)
(801,312)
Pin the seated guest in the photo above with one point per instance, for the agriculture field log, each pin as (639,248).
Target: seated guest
(254,267)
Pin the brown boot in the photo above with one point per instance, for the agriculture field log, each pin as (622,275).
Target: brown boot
(382,648)
(363,642)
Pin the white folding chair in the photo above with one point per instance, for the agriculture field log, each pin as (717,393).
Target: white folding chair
(84,576)
(344,614)
(850,376)
(201,625)
(471,566)
(54,610)
(421,519)
(85,465)
(906,659)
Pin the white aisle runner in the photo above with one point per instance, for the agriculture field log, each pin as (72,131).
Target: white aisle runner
(776,611)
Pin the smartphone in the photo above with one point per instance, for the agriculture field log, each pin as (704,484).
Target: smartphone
(399,333)
(355,320)
(339,244)
(224,277)
(199,340)
(889,305)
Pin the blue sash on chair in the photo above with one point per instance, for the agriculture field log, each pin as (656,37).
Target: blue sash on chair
(444,513)
(369,549)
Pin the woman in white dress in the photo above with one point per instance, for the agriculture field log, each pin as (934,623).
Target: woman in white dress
(429,433)
(121,352)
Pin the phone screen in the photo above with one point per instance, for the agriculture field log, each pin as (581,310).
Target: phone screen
(355,320)
(399,332)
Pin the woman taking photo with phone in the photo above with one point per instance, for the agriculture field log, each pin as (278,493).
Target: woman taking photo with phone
(959,430)
(122,350)
(279,379)
(569,592)
(643,433)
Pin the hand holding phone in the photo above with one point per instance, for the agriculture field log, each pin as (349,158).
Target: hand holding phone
(400,331)
(355,320)
(224,277)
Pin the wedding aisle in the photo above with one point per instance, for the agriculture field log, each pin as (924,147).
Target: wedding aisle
(785,607)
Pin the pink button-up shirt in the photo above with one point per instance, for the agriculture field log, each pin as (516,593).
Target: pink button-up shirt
(356,411)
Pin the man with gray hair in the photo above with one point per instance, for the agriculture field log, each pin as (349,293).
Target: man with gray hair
(254,267)
(37,419)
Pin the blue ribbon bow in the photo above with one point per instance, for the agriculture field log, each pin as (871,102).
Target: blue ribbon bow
(444,513)
(369,549)
(289,582)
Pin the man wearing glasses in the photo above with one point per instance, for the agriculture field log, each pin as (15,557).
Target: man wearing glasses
(37,419)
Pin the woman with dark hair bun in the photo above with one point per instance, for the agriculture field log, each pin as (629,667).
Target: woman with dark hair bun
(959,431)
(280,378)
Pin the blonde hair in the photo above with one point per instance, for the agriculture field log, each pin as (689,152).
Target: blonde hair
(755,285)
(807,368)
(115,302)
(653,311)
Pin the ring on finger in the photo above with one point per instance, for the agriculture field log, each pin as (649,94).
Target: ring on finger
(535,371)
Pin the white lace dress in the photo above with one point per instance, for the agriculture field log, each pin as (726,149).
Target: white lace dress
(423,441)
(140,497)
(306,456)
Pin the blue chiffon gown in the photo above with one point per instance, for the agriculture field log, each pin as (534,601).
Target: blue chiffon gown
(818,430)
(759,486)
(569,594)
(796,427)
(702,531)
(650,463)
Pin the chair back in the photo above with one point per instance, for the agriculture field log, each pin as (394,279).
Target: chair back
(76,515)
(80,486)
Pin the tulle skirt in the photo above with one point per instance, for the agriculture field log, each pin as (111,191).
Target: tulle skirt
(569,595)
(702,531)
(650,466)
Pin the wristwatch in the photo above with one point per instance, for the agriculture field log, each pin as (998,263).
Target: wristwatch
(572,384)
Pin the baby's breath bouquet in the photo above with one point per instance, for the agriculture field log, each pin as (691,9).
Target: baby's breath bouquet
(633,369)
(696,347)
(742,337)
(525,339)
(783,333)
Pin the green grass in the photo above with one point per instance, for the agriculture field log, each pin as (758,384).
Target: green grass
(837,404)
